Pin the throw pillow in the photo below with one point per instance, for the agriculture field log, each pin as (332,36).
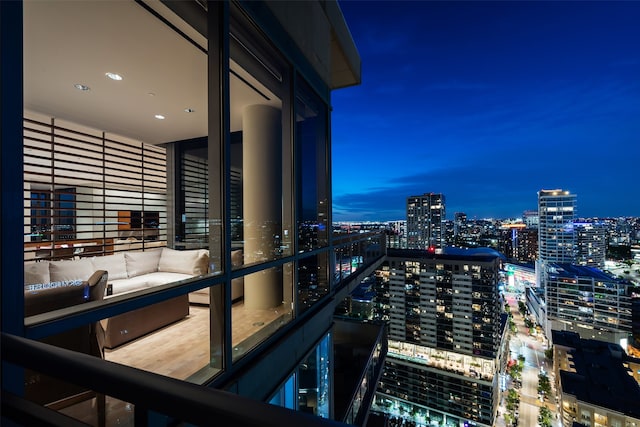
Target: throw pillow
(139,263)
(115,265)
(80,269)
(36,272)
(186,262)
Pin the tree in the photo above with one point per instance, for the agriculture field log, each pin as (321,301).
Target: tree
(508,418)
(515,370)
(548,353)
(512,325)
(522,308)
(513,400)
(544,385)
(545,417)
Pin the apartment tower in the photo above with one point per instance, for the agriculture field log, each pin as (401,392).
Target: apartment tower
(588,301)
(425,217)
(556,235)
(591,243)
(445,334)
(459,222)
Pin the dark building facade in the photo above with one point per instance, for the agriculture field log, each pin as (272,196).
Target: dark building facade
(588,301)
(425,221)
(446,334)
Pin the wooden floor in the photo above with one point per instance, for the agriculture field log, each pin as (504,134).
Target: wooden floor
(181,350)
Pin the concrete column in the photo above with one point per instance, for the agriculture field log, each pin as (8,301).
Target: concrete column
(261,201)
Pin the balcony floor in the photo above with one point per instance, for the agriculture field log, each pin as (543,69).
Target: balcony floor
(179,350)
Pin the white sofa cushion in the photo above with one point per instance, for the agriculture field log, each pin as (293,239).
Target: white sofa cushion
(139,263)
(236,258)
(145,281)
(191,262)
(80,269)
(36,272)
(131,284)
(115,265)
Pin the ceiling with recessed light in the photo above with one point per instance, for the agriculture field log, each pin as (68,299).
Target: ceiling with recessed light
(70,46)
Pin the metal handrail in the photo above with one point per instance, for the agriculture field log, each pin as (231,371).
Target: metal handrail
(180,400)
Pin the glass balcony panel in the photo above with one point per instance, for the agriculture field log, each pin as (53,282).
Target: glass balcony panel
(313,280)
(265,307)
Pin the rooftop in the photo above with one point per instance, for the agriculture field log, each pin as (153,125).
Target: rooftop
(452,253)
(600,378)
(570,270)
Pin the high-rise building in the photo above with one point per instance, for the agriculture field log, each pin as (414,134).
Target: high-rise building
(589,302)
(556,234)
(519,242)
(527,245)
(530,218)
(591,243)
(460,219)
(446,334)
(183,149)
(397,237)
(425,216)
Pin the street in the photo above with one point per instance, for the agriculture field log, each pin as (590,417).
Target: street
(532,348)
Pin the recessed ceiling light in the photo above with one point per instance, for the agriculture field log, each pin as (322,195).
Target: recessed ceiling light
(159,116)
(114,76)
(81,87)
(189,110)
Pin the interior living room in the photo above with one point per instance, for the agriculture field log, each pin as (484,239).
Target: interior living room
(176,195)
(116,175)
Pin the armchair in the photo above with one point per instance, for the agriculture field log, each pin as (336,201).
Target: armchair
(89,339)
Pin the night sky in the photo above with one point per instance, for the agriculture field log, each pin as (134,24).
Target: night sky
(487,103)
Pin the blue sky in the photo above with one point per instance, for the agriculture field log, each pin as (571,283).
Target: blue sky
(487,103)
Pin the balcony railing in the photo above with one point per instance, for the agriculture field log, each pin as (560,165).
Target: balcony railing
(151,394)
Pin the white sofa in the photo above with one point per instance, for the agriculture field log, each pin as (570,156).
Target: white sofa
(129,272)
(201,296)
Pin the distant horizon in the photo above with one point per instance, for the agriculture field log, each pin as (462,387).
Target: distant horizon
(449,213)
(488,103)
(480,219)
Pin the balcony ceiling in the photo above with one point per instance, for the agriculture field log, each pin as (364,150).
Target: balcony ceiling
(70,42)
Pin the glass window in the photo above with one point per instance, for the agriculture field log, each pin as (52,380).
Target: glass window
(313,280)
(314,381)
(286,395)
(311,169)
(52,214)
(191,220)
(99,176)
(260,183)
(260,148)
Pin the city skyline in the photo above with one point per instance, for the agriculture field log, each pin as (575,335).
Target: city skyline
(488,103)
